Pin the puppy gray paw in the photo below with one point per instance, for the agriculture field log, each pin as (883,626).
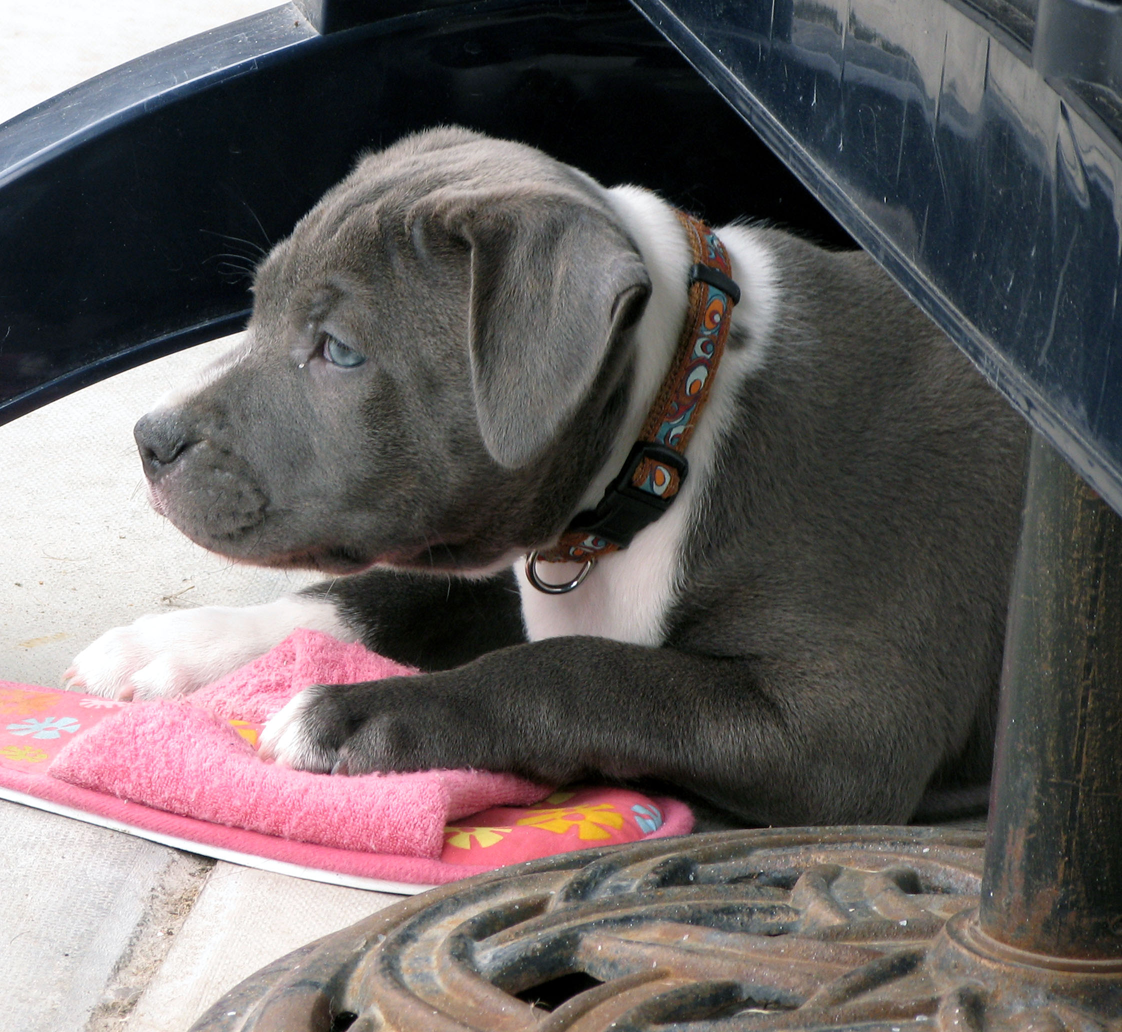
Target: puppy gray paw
(390,725)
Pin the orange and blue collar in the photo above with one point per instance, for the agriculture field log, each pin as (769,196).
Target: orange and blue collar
(656,468)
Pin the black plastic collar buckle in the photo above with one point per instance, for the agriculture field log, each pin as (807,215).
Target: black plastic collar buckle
(625,509)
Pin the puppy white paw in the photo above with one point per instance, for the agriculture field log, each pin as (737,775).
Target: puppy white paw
(288,740)
(168,654)
(161,655)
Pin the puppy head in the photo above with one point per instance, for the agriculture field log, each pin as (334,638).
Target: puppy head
(433,371)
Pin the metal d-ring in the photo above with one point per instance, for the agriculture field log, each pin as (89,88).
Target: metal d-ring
(555,589)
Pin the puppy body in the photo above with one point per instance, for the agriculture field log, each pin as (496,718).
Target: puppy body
(811,634)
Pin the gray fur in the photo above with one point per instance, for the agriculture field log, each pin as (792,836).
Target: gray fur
(531,348)
(836,646)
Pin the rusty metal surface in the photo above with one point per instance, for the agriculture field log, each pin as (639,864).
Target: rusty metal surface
(797,929)
(1054,872)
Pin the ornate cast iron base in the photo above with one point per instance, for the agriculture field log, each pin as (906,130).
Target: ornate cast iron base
(799,929)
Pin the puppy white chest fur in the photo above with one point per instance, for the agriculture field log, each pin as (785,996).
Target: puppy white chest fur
(629,594)
(626,597)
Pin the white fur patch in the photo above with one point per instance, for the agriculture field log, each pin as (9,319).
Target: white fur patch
(628,595)
(168,654)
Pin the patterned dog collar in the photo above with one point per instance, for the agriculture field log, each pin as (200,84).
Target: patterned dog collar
(656,468)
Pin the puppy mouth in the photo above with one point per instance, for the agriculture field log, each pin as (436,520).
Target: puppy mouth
(336,560)
(344,560)
(156,501)
(248,541)
(437,555)
(208,494)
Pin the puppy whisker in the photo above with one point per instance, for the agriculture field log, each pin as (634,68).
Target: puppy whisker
(260,251)
(259,226)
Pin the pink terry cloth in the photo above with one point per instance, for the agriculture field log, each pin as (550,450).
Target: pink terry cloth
(182,756)
(185,773)
(260,688)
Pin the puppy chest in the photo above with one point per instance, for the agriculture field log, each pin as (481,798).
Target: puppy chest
(626,597)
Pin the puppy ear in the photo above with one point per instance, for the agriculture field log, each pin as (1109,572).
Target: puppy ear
(553,281)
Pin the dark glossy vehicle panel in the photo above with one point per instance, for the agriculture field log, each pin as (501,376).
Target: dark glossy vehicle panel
(989,189)
(132,206)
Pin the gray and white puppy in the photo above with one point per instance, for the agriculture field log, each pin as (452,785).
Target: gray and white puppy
(451,356)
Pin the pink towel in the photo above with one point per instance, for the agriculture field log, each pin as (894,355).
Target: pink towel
(261,688)
(183,757)
(184,773)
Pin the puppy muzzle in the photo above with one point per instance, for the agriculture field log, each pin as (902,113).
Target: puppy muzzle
(209,493)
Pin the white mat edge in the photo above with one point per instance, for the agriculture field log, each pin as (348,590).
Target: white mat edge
(217,852)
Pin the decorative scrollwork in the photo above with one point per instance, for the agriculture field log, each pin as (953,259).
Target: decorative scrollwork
(798,929)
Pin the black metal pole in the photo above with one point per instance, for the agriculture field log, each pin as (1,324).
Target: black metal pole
(1053,871)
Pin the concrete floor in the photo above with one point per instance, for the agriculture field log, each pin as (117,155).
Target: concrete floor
(101,931)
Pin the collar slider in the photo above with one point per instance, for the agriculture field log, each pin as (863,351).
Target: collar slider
(715,278)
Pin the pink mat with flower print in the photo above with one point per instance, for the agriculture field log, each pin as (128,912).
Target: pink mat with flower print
(187,771)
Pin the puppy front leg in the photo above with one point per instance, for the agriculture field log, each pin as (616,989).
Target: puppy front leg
(427,621)
(734,732)
(430,621)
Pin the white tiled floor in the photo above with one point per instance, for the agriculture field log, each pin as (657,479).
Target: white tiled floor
(219,943)
(100,931)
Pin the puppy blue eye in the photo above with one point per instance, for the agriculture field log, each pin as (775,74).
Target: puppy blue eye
(337,353)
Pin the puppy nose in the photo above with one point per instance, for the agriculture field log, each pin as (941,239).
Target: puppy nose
(161,438)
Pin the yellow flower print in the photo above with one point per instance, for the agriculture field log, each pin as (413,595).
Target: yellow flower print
(24,754)
(16,702)
(589,821)
(246,730)
(461,837)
